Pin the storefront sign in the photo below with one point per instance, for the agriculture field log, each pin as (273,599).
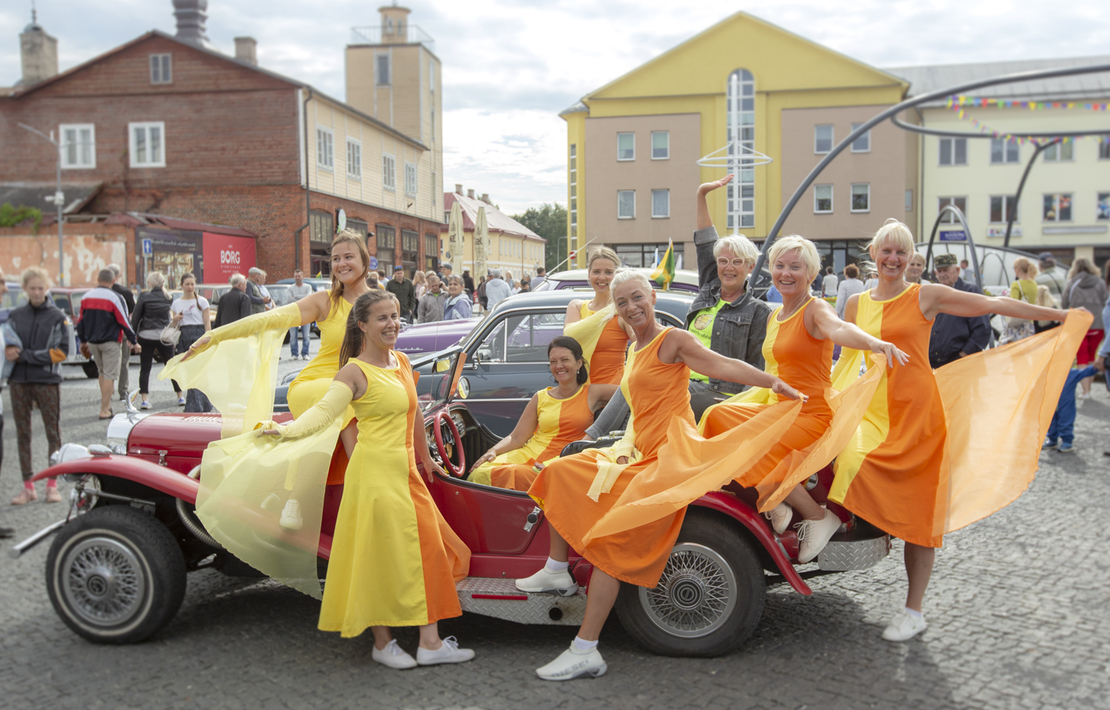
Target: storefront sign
(225,255)
(953,235)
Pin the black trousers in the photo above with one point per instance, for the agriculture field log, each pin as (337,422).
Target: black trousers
(146,361)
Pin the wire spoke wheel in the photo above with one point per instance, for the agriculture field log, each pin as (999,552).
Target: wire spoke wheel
(695,595)
(103,581)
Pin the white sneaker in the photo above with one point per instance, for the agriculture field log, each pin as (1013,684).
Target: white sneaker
(780,517)
(548,582)
(904,627)
(815,534)
(291,515)
(306,358)
(393,656)
(573,664)
(449,652)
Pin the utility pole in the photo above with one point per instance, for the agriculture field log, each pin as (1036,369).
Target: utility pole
(58,198)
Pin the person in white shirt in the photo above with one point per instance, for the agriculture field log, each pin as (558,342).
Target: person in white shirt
(192,313)
(299,290)
(496,289)
(828,284)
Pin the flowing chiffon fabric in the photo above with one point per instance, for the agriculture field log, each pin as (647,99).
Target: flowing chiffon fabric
(603,342)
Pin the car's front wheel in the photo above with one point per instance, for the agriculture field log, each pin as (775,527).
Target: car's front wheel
(709,598)
(115,575)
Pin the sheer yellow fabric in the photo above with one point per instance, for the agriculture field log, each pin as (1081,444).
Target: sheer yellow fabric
(588,330)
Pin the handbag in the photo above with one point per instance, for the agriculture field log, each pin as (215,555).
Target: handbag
(1014,321)
(170,334)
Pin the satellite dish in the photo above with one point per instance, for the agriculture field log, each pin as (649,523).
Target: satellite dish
(340,221)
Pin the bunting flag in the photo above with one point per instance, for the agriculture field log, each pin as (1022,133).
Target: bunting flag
(664,270)
(962,104)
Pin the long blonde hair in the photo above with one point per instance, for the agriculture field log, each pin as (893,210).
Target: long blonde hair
(352,237)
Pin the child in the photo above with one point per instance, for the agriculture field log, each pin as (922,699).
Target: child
(1061,431)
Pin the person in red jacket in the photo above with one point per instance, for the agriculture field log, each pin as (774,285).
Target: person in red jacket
(101,326)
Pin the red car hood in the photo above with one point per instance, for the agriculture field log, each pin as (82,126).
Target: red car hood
(179,435)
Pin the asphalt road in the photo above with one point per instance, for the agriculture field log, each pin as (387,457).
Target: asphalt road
(1017,610)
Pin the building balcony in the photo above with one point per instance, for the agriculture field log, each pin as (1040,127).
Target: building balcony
(400,34)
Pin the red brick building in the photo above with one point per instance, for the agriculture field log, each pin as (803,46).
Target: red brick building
(159,125)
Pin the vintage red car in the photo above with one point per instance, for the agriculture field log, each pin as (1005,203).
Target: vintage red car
(116,571)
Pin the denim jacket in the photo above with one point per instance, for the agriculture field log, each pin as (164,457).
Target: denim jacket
(740,326)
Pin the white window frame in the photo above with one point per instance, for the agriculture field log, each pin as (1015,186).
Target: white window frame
(410,179)
(64,144)
(632,135)
(325,148)
(1006,201)
(161,68)
(816,209)
(379,57)
(389,172)
(863,143)
(852,198)
(942,201)
(1056,207)
(354,159)
(817,138)
(1055,153)
(628,192)
(951,144)
(667,214)
(132,144)
(666,148)
(1006,146)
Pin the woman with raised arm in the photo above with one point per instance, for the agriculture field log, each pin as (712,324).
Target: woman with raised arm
(577,490)
(553,418)
(594,323)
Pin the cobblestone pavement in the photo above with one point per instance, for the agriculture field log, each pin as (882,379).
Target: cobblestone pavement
(1017,611)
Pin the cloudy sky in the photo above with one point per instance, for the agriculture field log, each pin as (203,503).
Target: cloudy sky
(509,66)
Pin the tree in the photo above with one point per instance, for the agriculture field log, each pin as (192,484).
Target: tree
(13,217)
(550,222)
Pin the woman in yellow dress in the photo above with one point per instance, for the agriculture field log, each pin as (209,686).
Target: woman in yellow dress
(553,418)
(393,561)
(594,323)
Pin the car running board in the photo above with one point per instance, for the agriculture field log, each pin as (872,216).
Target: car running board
(499,598)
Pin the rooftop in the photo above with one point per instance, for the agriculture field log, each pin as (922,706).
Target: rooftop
(498,221)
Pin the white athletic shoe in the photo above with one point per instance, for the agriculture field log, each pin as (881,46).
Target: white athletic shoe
(449,652)
(548,582)
(780,517)
(815,534)
(393,656)
(573,664)
(904,627)
(291,515)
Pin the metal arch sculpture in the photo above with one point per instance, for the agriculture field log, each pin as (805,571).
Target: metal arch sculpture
(959,215)
(897,109)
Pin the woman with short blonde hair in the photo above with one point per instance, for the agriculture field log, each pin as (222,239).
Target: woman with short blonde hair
(1085,289)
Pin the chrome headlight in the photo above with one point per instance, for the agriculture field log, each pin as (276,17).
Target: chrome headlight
(68,452)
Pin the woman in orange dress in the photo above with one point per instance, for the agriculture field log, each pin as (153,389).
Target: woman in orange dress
(554,417)
(594,323)
(577,490)
(895,473)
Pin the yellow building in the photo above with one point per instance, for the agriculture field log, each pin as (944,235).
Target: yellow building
(634,145)
(512,247)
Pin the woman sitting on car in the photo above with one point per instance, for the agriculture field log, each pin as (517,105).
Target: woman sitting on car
(594,324)
(553,418)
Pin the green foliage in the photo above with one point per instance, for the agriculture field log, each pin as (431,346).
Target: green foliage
(550,222)
(13,217)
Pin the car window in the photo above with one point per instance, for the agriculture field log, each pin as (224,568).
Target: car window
(61,300)
(521,338)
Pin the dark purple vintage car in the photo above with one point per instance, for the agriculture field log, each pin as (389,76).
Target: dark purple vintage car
(420,338)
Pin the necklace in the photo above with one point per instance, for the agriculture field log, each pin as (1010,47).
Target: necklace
(794,310)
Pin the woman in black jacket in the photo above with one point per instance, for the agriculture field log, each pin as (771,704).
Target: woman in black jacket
(152,314)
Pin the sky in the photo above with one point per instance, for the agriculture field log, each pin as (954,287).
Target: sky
(510,66)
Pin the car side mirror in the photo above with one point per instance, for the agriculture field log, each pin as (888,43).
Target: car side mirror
(474,362)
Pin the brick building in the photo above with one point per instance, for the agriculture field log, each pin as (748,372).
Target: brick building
(167,125)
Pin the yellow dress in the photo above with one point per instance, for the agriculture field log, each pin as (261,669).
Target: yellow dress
(390,562)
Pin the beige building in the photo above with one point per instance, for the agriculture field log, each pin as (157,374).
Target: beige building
(513,248)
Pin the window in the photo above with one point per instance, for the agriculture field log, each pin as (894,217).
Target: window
(1103,207)
(1004,151)
(325,148)
(521,339)
(660,204)
(626,204)
(78,146)
(1059,151)
(147,145)
(381,65)
(863,143)
(431,252)
(387,242)
(354,159)
(1057,207)
(410,179)
(1104,149)
(660,145)
(861,197)
(432,78)
(161,69)
(388,178)
(822,138)
(953,151)
(645,255)
(740,131)
(359,227)
(909,200)
(626,146)
(822,199)
(320,227)
(410,243)
(1001,206)
(959,202)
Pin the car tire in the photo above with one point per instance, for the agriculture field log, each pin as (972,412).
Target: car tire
(709,598)
(91,370)
(115,575)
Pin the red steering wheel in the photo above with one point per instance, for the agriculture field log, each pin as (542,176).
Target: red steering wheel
(443,419)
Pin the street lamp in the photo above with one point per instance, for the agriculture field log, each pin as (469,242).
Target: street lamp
(58,198)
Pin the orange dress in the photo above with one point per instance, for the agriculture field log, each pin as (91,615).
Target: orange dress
(657,394)
(560,421)
(603,342)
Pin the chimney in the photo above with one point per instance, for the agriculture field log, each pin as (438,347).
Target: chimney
(458,188)
(470,193)
(245,50)
(485,198)
(191,16)
(39,53)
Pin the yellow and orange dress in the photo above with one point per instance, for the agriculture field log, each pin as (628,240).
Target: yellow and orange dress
(559,422)
(657,393)
(603,342)
(390,562)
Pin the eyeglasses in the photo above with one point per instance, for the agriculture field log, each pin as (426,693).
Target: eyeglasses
(736,263)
